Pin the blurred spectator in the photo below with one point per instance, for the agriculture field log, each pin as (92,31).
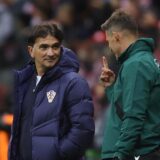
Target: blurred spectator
(6,22)
(149,24)
(132,7)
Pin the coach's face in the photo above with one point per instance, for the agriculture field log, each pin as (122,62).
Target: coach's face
(45,52)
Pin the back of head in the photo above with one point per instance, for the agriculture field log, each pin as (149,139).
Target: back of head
(43,30)
(121,21)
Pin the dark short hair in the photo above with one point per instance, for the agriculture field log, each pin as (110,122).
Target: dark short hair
(43,30)
(121,21)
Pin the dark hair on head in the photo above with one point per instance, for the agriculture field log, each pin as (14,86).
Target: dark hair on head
(121,20)
(43,30)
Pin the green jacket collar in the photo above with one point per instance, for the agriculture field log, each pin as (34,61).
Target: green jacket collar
(142,44)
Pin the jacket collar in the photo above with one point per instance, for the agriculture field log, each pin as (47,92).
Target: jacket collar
(142,44)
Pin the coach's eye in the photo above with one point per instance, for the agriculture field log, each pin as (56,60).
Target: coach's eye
(43,46)
(56,46)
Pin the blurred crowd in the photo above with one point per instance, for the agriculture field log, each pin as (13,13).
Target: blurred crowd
(80,21)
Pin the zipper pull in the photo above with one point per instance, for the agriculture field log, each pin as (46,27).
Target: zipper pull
(34,90)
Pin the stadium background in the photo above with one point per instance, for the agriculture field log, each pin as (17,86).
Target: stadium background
(80,21)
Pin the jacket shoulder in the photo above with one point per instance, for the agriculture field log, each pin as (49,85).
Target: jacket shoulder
(73,77)
(76,84)
(143,59)
(143,65)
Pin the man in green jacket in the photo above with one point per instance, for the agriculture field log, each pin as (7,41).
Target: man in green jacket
(133,120)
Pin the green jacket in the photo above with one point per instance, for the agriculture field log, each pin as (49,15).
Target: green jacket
(133,120)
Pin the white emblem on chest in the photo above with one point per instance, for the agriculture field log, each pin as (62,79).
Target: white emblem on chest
(51,95)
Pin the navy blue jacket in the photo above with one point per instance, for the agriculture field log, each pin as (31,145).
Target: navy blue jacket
(64,128)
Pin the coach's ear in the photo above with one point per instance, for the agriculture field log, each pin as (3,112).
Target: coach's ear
(30,50)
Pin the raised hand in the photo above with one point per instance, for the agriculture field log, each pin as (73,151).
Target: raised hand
(107,76)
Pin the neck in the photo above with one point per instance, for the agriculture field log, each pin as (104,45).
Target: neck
(40,71)
(126,42)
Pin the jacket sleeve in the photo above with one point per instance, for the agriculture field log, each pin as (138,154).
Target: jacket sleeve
(136,84)
(79,108)
(109,92)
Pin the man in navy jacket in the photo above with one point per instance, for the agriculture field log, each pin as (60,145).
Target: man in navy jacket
(53,109)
